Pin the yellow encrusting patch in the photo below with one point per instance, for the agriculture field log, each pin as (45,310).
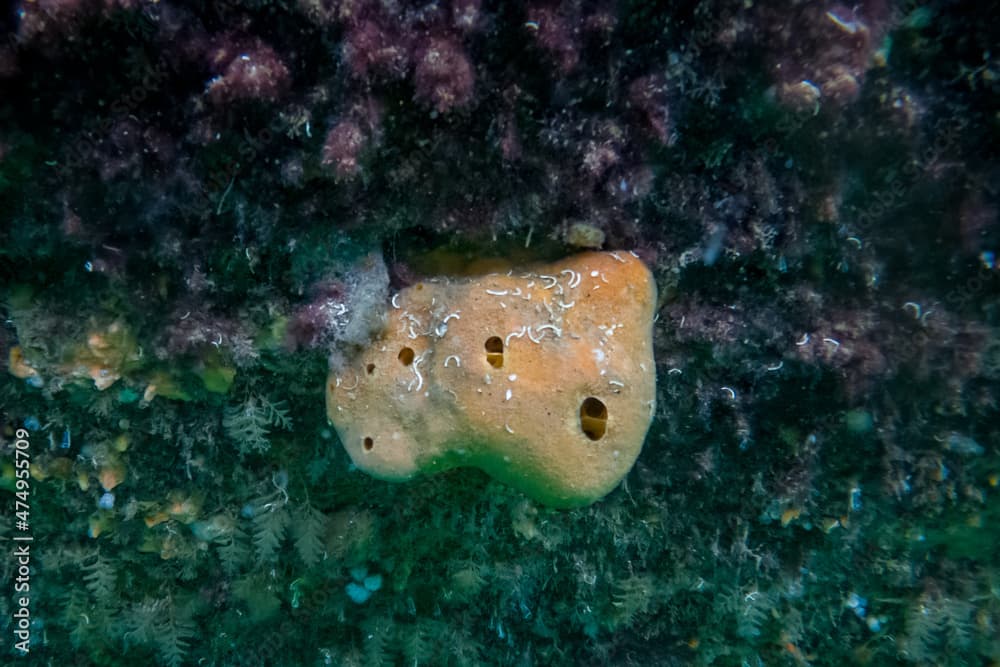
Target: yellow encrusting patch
(544,378)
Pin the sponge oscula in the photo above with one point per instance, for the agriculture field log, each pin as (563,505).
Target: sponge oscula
(544,378)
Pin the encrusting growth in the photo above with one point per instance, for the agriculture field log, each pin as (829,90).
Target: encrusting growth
(543,378)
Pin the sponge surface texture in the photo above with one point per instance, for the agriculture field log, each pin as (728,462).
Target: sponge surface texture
(543,377)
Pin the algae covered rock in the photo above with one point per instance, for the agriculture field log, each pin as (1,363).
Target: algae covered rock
(543,378)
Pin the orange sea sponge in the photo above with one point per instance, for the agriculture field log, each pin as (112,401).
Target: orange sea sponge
(543,378)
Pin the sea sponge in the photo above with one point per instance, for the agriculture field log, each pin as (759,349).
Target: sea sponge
(543,378)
